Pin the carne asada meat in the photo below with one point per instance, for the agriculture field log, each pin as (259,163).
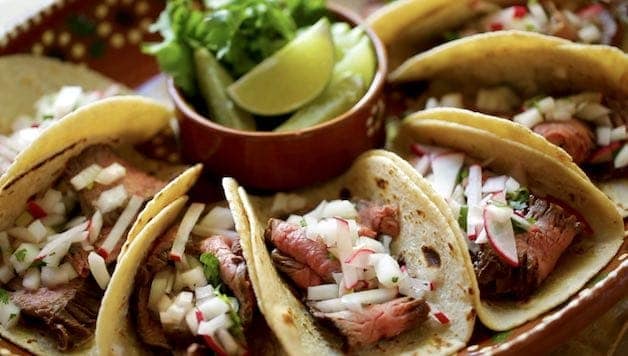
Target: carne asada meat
(379,218)
(233,273)
(378,321)
(538,250)
(302,275)
(291,239)
(68,312)
(135,181)
(573,136)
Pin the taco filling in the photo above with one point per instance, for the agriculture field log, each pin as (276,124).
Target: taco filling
(598,23)
(338,259)
(515,236)
(48,109)
(193,293)
(589,126)
(57,255)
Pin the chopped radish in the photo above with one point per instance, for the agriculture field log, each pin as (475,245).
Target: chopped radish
(322,292)
(621,160)
(481,238)
(344,241)
(441,317)
(35,210)
(222,321)
(360,257)
(372,296)
(184,230)
(604,154)
(58,245)
(56,276)
(387,269)
(111,199)
(603,134)
(95,226)
(86,177)
(350,275)
(445,168)
(519,11)
(529,118)
(23,257)
(475,221)
(31,279)
(110,174)
(192,320)
(213,345)
(494,184)
(500,233)
(218,218)
(124,221)
(98,267)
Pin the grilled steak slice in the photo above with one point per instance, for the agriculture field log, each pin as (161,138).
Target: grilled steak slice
(302,275)
(538,250)
(383,219)
(291,240)
(135,181)
(573,136)
(378,321)
(233,273)
(148,327)
(68,312)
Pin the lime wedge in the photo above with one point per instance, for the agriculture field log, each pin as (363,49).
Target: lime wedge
(291,77)
(360,59)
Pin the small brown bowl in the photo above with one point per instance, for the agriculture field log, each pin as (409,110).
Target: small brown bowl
(281,161)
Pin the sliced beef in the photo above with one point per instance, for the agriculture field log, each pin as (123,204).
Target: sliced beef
(233,273)
(538,251)
(383,219)
(378,321)
(573,136)
(68,312)
(77,256)
(136,182)
(148,327)
(292,241)
(302,275)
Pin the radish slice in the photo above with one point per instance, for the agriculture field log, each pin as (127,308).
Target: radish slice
(494,184)
(446,168)
(110,174)
(86,177)
(193,278)
(372,296)
(433,151)
(473,190)
(500,233)
(184,230)
(98,267)
(111,199)
(124,221)
(371,244)
(322,292)
(360,257)
(218,218)
(95,226)
(441,317)
(482,238)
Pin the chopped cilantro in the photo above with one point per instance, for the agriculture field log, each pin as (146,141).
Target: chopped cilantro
(4,296)
(462,174)
(462,217)
(39,263)
(13,315)
(518,199)
(236,329)
(48,117)
(330,256)
(303,223)
(20,255)
(211,268)
(395,279)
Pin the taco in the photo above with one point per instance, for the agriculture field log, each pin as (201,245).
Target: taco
(574,96)
(70,202)
(36,92)
(362,264)
(183,286)
(535,229)
(408,27)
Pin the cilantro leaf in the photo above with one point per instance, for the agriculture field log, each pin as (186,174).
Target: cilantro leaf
(462,217)
(236,329)
(20,255)
(211,268)
(518,199)
(4,296)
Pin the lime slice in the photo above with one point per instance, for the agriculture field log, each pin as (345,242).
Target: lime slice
(291,77)
(360,59)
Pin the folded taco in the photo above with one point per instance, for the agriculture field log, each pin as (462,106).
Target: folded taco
(36,92)
(70,202)
(574,96)
(362,264)
(184,287)
(536,231)
(408,27)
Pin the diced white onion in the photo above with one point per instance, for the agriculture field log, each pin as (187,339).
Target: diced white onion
(621,159)
(98,267)
(6,273)
(591,111)
(125,220)
(66,100)
(28,253)
(173,316)
(387,269)
(184,230)
(191,319)
(9,314)
(284,203)
(422,165)
(494,184)
(529,118)
(222,321)
(85,177)
(23,234)
(31,279)
(50,199)
(446,168)
(619,133)
(452,100)
(211,308)
(184,300)
(512,184)
(603,134)
(370,244)
(161,284)
(110,174)
(111,199)
(564,109)
(545,105)
(499,99)
(193,278)
(163,304)
(204,293)
(75,222)
(53,220)
(322,292)
(340,208)
(95,226)
(218,218)
(372,296)
(589,34)
(56,276)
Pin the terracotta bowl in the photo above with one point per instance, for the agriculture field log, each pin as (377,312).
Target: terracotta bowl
(280,161)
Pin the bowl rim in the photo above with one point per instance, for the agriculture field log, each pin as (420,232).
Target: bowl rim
(377,84)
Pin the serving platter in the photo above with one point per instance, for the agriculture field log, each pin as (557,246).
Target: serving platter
(107,36)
